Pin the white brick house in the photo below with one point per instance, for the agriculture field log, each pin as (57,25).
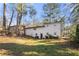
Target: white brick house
(54,29)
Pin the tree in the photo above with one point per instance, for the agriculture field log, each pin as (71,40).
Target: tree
(74,14)
(10,21)
(77,33)
(51,11)
(21,11)
(74,34)
(4,17)
(32,13)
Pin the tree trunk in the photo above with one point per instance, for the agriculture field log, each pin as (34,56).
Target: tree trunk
(19,17)
(10,21)
(19,22)
(4,18)
(17,25)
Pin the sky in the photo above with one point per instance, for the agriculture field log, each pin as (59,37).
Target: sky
(39,9)
(37,6)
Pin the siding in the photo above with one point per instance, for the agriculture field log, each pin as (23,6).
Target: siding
(49,28)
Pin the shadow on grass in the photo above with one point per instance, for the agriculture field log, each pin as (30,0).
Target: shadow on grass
(37,50)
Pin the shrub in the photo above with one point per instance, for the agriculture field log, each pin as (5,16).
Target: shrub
(77,33)
(52,37)
(74,34)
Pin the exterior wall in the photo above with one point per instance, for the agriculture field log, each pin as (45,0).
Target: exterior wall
(77,22)
(52,29)
(30,32)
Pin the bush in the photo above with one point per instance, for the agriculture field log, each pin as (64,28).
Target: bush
(52,37)
(74,34)
(77,33)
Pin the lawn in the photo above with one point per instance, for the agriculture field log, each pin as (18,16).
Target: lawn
(35,47)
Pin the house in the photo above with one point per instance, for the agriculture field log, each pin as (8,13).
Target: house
(43,30)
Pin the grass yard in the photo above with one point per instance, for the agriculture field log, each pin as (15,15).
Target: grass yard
(34,47)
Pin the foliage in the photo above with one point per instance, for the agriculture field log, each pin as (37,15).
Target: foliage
(51,11)
(74,14)
(32,11)
(46,21)
(32,14)
(77,33)
(21,8)
(21,11)
(72,32)
(52,37)
(50,8)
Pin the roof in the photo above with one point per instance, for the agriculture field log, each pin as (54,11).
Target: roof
(39,26)
(51,23)
(34,27)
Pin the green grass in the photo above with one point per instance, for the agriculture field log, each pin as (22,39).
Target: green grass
(32,47)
